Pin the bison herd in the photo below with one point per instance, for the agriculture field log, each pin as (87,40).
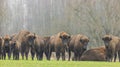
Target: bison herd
(24,42)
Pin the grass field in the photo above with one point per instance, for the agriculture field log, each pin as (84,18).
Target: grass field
(54,63)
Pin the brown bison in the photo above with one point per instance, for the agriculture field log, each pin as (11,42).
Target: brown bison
(112,44)
(58,44)
(78,44)
(38,47)
(95,54)
(22,42)
(15,48)
(6,47)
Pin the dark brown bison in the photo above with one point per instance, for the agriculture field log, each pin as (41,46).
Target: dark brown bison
(112,44)
(1,43)
(6,47)
(38,47)
(95,54)
(78,44)
(58,44)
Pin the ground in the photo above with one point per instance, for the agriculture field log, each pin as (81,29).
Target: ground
(54,63)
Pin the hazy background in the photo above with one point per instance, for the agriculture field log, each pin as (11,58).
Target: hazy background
(93,18)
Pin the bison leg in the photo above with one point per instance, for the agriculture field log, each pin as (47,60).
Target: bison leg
(115,56)
(13,56)
(26,54)
(75,56)
(63,55)
(32,54)
(9,55)
(4,55)
(58,55)
(17,56)
(41,55)
(79,55)
(47,55)
(69,55)
(37,55)
(119,55)
(22,54)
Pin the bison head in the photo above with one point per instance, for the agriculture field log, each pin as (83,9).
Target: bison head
(84,41)
(107,39)
(30,39)
(64,37)
(7,41)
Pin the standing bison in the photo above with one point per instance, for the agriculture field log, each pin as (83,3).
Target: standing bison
(112,44)
(37,47)
(95,54)
(6,47)
(78,44)
(58,43)
(21,43)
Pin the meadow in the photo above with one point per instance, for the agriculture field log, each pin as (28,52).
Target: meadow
(54,63)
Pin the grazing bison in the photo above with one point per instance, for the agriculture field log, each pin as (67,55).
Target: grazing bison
(58,44)
(6,47)
(38,47)
(78,44)
(112,44)
(95,54)
(1,43)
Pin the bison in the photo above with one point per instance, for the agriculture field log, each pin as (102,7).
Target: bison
(21,43)
(58,44)
(112,44)
(95,54)
(78,44)
(6,47)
